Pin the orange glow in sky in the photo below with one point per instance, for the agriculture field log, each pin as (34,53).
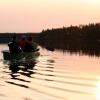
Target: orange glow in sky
(36,15)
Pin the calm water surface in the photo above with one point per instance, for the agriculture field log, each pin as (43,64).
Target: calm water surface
(51,76)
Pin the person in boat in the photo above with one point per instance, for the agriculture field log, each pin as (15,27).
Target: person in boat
(22,42)
(13,46)
(30,45)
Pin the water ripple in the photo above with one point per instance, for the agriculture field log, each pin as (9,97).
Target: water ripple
(47,78)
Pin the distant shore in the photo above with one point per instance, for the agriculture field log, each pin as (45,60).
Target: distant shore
(6,37)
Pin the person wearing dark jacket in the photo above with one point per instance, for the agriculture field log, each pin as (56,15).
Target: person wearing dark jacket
(30,45)
(13,46)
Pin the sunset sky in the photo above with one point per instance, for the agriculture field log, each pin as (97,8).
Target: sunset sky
(36,15)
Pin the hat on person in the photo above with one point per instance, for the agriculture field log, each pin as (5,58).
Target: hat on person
(23,36)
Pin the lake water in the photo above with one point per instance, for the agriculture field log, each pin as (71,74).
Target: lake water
(51,76)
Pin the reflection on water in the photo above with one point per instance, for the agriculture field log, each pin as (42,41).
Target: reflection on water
(86,48)
(51,76)
(24,68)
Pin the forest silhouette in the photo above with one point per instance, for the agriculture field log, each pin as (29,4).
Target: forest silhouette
(84,39)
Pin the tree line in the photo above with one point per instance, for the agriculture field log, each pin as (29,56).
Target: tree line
(81,38)
(7,37)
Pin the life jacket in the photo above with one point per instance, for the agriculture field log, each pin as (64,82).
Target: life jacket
(22,43)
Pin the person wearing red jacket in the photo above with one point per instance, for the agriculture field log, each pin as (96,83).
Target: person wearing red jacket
(22,42)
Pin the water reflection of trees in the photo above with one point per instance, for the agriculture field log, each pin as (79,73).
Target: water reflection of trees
(84,39)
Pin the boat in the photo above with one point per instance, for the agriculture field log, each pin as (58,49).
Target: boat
(18,56)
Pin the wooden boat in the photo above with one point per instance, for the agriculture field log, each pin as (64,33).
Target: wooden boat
(17,56)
